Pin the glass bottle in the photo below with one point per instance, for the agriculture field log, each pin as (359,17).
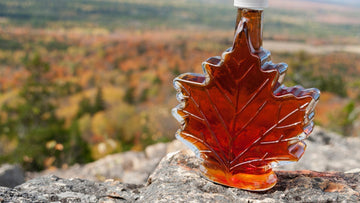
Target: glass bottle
(238,117)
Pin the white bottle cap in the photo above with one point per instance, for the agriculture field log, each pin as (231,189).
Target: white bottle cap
(251,4)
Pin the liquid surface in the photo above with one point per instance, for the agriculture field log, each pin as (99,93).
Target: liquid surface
(239,118)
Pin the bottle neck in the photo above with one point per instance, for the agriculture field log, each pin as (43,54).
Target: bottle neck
(255,26)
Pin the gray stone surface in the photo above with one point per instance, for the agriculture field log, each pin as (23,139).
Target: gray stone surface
(177,179)
(326,151)
(54,189)
(129,167)
(11,175)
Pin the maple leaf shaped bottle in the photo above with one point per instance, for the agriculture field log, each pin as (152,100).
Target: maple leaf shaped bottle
(238,117)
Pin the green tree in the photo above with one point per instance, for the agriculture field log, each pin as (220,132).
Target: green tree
(84,107)
(176,70)
(334,84)
(33,122)
(348,117)
(130,95)
(144,95)
(87,107)
(99,104)
(343,121)
(77,147)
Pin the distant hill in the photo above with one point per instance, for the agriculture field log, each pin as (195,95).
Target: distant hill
(340,2)
(300,20)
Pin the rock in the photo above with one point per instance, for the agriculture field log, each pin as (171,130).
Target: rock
(328,151)
(11,175)
(128,167)
(111,167)
(177,179)
(355,170)
(156,150)
(175,146)
(54,189)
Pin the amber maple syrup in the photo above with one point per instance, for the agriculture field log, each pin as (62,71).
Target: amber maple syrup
(238,117)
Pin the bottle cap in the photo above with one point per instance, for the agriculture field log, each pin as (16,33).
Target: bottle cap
(252,4)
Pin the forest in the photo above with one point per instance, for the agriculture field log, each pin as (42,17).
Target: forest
(83,79)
